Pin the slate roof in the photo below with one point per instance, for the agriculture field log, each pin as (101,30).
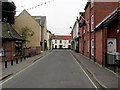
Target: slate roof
(12,35)
(41,21)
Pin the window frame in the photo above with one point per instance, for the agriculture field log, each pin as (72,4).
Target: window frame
(92,23)
(92,47)
(60,41)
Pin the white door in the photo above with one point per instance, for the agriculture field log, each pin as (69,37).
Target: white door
(111,45)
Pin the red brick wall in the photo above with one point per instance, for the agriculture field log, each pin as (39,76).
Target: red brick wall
(98,44)
(81,39)
(103,9)
(100,10)
(87,32)
(9,47)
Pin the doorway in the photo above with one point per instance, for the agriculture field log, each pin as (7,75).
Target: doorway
(111,45)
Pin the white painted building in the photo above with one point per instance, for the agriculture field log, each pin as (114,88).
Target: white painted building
(61,42)
(75,36)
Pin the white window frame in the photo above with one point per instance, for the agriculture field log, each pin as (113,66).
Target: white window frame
(61,41)
(92,23)
(55,41)
(92,47)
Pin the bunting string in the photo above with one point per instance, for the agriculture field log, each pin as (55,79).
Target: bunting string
(31,8)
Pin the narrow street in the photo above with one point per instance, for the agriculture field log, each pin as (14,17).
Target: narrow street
(57,70)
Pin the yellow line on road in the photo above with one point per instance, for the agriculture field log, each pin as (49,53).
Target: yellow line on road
(22,70)
(85,73)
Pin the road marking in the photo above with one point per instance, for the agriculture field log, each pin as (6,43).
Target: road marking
(3,82)
(85,73)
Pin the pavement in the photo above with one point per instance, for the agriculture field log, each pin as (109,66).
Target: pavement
(104,76)
(11,70)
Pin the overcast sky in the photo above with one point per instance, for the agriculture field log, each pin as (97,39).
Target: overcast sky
(61,14)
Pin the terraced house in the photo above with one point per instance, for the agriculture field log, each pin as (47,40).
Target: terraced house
(61,42)
(98,28)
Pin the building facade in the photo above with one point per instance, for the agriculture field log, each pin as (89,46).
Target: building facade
(108,32)
(75,37)
(12,42)
(49,40)
(91,40)
(43,23)
(24,19)
(61,42)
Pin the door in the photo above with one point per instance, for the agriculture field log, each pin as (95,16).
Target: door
(111,45)
(60,46)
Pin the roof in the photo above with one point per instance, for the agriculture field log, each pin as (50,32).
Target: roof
(40,19)
(109,18)
(89,1)
(62,37)
(12,34)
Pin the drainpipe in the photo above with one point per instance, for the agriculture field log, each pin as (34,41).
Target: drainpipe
(119,28)
(103,58)
(90,34)
(94,33)
(104,46)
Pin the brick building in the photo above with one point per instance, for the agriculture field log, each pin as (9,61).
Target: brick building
(90,39)
(108,32)
(11,43)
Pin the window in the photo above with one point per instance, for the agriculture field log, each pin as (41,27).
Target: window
(92,47)
(18,48)
(69,41)
(2,52)
(69,46)
(92,23)
(55,41)
(60,41)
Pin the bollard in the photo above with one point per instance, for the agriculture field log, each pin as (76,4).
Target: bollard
(11,62)
(5,64)
(21,59)
(16,61)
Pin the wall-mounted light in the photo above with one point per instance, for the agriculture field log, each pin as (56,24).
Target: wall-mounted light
(118,30)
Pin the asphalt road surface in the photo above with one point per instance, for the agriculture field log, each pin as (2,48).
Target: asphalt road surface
(57,70)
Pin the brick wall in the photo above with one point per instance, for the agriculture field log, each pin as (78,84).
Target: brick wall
(98,45)
(103,9)
(100,10)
